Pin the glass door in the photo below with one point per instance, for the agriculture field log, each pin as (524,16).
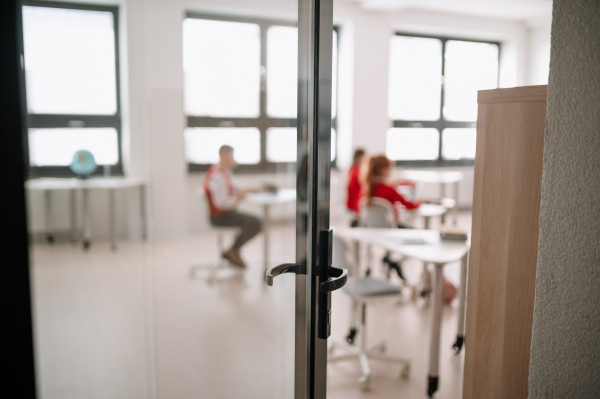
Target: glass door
(177,193)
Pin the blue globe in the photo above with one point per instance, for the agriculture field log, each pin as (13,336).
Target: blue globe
(83,163)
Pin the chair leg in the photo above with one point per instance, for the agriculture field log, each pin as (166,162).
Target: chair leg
(364,353)
(213,269)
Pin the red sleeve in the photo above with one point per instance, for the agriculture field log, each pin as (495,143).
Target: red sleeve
(390,194)
(354,189)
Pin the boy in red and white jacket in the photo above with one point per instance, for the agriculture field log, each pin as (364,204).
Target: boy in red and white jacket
(224,192)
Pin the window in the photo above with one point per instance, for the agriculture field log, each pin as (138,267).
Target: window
(240,89)
(71,86)
(433,84)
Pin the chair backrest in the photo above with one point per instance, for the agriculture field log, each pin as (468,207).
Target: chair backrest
(201,194)
(379,214)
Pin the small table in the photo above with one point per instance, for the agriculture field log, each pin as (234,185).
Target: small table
(266,200)
(47,185)
(440,177)
(437,252)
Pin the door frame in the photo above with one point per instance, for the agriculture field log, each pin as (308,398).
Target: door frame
(315,32)
(16,290)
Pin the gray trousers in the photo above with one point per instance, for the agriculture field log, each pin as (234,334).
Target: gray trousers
(250,225)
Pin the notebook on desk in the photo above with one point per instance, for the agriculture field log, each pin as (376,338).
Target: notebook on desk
(453,233)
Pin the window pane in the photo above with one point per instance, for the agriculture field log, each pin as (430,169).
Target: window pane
(282,71)
(69,61)
(415,78)
(202,144)
(221,66)
(469,67)
(409,144)
(281,144)
(458,143)
(55,147)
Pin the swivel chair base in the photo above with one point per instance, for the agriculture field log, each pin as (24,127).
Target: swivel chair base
(375,352)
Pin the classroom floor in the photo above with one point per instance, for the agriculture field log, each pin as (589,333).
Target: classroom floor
(134,323)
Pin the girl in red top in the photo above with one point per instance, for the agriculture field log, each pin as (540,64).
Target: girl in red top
(378,185)
(354,186)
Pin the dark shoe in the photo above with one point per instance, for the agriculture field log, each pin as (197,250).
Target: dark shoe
(234,258)
(393,265)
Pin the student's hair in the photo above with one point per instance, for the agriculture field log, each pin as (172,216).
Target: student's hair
(376,165)
(225,149)
(358,153)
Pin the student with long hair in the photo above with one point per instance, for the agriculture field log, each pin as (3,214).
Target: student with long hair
(378,184)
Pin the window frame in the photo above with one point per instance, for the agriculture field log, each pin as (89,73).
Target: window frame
(440,124)
(263,122)
(42,121)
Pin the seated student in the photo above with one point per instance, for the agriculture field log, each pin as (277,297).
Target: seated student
(354,185)
(224,192)
(379,185)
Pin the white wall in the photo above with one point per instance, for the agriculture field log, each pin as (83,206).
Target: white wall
(153,97)
(539,52)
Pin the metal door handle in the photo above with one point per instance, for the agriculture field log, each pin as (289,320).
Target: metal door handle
(340,279)
(280,269)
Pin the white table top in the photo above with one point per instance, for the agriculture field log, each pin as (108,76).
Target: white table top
(429,210)
(283,195)
(435,250)
(49,183)
(432,176)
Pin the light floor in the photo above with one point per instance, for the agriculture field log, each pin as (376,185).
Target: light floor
(134,323)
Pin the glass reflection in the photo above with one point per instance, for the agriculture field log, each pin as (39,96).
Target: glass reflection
(55,147)
(202,144)
(221,67)
(69,61)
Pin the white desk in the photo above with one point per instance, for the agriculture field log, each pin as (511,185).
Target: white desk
(435,251)
(266,200)
(47,185)
(437,177)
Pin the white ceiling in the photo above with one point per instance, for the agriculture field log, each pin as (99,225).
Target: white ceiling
(519,10)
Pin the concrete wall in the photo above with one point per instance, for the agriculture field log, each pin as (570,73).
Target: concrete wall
(565,347)
(152,79)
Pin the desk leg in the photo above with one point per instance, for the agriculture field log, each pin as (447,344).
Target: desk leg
(456,194)
(73,215)
(266,228)
(462,302)
(87,219)
(425,277)
(113,219)
(49,225)
(144,215)
(442,195)
(436,329)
